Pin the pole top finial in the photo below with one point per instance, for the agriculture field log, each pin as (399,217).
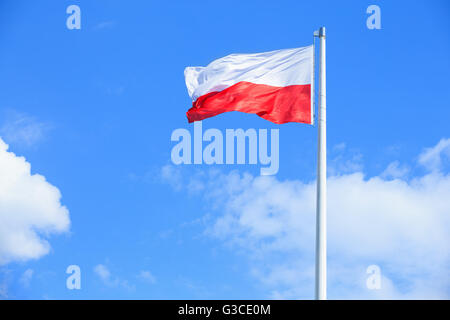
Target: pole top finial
(322,32)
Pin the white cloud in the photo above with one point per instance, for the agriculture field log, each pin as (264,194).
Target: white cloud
(344,160)
(20,128)
(30,210)
(147,276)
(400,225)
(432,157)
(395,170)
(5,282)
(103,272)
(172,176)
(109,280)
(26,277)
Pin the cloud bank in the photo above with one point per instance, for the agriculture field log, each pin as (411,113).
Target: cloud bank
(30,210)
(399,224)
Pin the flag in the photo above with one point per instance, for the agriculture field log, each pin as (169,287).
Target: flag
(275,85)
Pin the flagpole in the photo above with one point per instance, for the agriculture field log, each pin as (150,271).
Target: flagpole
(321,214)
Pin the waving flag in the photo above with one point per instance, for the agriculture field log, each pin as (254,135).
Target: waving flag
(275,85)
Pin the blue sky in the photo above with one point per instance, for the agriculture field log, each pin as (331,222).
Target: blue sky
(93,110)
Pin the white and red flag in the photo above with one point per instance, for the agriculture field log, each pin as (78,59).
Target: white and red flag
(275,85)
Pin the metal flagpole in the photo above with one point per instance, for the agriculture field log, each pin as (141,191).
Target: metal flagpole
(321,214)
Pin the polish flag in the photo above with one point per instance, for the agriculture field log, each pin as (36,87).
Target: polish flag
(275,85)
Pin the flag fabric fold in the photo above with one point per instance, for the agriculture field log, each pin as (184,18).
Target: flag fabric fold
(274,85)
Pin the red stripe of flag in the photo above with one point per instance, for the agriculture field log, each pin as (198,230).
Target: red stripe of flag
(276,104)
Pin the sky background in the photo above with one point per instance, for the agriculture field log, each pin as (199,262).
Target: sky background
(92,111)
